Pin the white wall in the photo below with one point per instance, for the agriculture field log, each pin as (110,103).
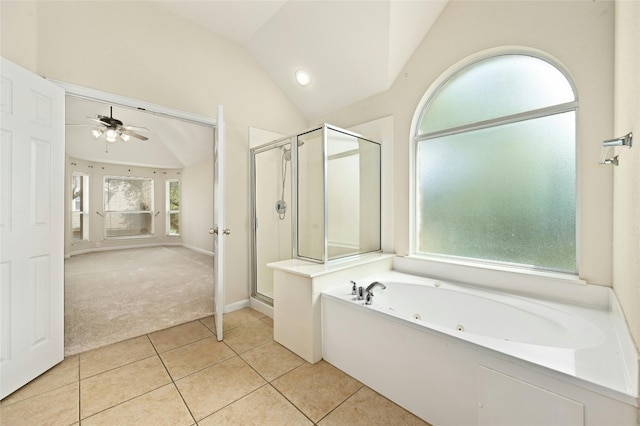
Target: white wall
(579,34)
(626,189)
(197,205)
(140,51)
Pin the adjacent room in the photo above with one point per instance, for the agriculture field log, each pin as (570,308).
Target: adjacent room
(136,260)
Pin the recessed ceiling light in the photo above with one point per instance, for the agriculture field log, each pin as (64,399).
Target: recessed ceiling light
(303,77)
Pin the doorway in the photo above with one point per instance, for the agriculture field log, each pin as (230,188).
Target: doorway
(177,153)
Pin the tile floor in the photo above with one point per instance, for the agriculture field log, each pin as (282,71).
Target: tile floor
(184,376)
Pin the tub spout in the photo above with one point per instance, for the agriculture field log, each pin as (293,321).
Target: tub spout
(374,285)
(369,291)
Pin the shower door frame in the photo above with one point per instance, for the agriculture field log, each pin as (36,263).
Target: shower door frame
(278,143)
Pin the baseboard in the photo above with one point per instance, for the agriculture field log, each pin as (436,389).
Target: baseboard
(262,307)
(241,304)
(103,248)
(199,250)
(97,249)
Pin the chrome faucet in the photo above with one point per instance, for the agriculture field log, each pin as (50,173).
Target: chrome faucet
(369,291)
(374,285)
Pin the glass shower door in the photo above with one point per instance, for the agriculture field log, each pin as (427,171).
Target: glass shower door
(272,208)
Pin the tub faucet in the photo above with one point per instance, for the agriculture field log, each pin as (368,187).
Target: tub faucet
(369,297)
(374,285)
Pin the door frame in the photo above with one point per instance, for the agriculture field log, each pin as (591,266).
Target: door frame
(106,97)
(110,98)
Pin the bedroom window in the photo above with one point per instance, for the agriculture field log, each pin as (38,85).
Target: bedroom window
(495,165)
(128,207)
(173,207)
(80,206)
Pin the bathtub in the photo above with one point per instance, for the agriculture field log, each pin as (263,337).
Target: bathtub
(456,354)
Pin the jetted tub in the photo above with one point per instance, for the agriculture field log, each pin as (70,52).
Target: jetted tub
(456,354)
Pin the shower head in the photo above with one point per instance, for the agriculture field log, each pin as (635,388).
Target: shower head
(286,154)
(286,151)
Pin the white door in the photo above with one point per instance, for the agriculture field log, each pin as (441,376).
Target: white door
(31,226)
(218,223)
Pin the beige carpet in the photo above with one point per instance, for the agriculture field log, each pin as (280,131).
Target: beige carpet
(111,296)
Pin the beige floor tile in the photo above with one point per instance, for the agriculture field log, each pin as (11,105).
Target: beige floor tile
(316,389)
(248,336)
(367,407)
(113,387)
(179,335)
(56,407)
(272,360)
(262,407)
(116,355)
(267,320)
(62,374)
(210,322)
(163,406)
(209,390)
(195,356)
(240,317)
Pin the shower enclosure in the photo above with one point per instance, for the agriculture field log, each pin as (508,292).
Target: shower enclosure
(316,196)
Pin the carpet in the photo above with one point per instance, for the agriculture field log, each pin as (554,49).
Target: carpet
(115,295)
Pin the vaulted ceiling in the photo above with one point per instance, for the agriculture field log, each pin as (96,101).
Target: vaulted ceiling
(352,49)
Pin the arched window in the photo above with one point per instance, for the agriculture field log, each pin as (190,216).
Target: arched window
(495,165)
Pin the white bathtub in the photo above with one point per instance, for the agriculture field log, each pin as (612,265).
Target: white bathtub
(446,352)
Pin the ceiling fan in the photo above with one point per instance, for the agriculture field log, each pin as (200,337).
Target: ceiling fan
(112,129)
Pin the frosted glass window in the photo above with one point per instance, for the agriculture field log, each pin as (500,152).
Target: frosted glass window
(503,191)
(495,87)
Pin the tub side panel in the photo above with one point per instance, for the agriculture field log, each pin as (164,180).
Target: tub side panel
(419,371)
(436,376)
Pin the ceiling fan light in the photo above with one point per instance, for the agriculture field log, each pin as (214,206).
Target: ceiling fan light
(111,135)
(96,133)
(125,137)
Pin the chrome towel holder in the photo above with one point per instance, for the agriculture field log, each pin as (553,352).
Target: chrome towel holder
(626,140)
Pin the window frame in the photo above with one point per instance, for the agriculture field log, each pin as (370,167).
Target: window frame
(416,138)
(151,212)
(168,206)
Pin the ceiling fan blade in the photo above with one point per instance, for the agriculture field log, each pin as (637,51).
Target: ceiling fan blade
(135,135)
(97,120)
(136,128)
